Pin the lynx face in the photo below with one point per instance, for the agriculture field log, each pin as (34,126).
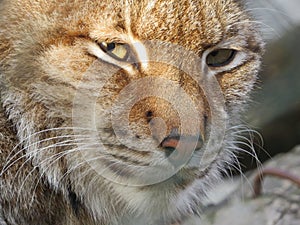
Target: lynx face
(136,100)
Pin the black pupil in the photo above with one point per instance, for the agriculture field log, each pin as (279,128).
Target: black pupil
(111,46)
(220,57)
(215,53)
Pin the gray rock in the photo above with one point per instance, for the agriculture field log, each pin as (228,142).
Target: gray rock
(279,203)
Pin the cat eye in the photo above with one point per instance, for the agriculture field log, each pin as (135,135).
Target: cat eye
(115,50)
(220,57)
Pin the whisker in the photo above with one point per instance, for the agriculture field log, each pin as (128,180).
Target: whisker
(84,162)
(259,23)
(39,133)
(8,163)
(242,175)
(42,149)
(59,144)
(253,155)
(264,9)
(51,161)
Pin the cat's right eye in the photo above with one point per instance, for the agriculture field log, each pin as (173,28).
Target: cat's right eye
(116,50)
(220,57)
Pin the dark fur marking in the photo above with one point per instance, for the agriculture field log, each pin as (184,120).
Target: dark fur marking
(75,203)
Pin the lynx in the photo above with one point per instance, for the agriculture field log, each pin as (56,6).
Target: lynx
(121,111)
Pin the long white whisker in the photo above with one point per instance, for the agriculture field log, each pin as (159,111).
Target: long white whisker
(8,161)
(42,149)
(51,161)
(41,132)
(59,144)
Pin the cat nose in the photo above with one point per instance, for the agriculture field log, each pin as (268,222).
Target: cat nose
(171,142)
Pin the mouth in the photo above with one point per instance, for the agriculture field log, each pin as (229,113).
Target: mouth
(179,149)
(177,157)
(184,178)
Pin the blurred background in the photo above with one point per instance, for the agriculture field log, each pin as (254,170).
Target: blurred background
(275,110)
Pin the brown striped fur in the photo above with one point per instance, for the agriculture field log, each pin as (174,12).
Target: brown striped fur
(45,55)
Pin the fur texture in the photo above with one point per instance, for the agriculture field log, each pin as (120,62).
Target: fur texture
(51,67)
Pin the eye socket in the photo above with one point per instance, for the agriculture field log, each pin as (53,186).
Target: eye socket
(220,57)
(115,50)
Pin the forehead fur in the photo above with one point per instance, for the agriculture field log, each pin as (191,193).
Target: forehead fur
(191,23)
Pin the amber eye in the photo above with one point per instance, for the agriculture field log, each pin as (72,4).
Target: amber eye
(220,57)
(115,50)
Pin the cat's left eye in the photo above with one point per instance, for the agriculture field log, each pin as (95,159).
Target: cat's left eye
(220,57)
(116,50)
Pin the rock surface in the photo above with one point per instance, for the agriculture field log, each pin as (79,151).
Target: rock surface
(279,203)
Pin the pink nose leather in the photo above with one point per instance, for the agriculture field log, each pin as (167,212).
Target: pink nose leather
(170,143)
